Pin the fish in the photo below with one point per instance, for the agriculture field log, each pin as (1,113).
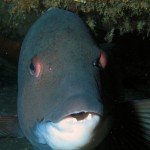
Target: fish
(69,96)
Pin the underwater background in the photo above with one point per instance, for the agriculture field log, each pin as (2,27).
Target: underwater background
(121,27)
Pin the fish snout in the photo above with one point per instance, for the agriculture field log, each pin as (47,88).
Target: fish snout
(72,132)
(80,117)
(77,103)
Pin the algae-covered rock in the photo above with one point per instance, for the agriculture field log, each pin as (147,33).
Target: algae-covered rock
(111,16)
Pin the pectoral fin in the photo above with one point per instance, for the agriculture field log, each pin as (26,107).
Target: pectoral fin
(142,109)
(9,127)
(131,127)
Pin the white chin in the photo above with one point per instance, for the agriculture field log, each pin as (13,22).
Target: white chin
(69,133)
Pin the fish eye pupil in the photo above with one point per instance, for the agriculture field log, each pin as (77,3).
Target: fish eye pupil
(96,63)
(35,66)
(32,68)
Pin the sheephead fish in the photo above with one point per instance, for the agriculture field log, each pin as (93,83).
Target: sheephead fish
(68,94)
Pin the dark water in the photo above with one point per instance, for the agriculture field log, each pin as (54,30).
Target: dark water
(15,144)
(8,99)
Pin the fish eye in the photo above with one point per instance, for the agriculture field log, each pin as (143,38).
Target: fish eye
(101,62)
(35,67)
(96,63)
(32,68)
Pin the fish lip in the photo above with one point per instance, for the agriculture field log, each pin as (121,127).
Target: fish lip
(46,119)
(71,115)
(49,127)
(79,102)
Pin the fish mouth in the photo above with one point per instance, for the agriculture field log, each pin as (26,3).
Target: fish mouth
(74,131)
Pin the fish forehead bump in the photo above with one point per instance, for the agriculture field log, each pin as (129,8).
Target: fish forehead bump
(56,28)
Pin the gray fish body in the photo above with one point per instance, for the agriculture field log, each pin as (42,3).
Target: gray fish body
(67,84)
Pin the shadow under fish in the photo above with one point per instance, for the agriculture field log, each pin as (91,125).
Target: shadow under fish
(69,95)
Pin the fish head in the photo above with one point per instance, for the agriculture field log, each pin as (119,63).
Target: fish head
(60,98)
